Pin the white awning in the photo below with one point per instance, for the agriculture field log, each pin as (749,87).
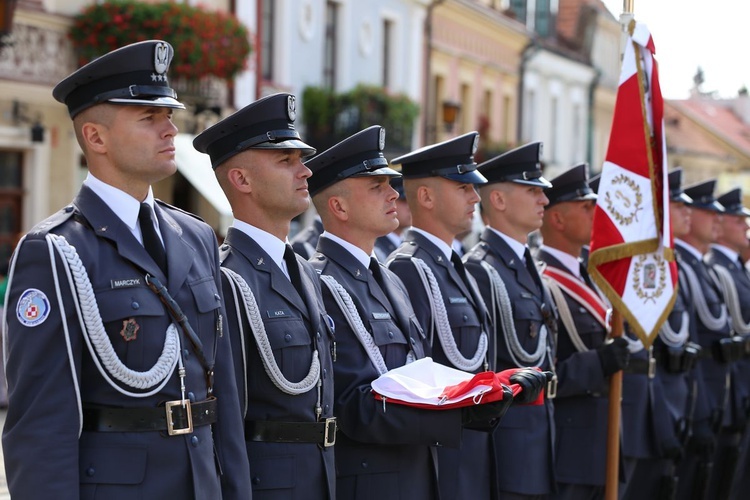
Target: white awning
(196,168)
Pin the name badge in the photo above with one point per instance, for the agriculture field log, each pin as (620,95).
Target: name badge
(383,315)
(458,300)
(278,313)
(126,283)
(527,295)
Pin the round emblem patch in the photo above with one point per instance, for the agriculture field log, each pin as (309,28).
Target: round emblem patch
(33,307)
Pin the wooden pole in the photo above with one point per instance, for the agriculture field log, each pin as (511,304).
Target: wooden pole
(612,476)
(613,421)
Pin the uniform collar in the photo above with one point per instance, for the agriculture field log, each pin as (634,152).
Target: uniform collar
(690,248)
(356,252)
(121,203)
(273,246)
(518,248)
(443,246)
(570,262)
(731,254)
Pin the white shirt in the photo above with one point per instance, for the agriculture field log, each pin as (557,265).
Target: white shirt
(731,254)
(570,262)
(356,252)
(515,245)
(123,205)
(690,248)
(273,246)
(443,246)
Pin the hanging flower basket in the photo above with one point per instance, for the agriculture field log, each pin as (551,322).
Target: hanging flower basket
(206,43)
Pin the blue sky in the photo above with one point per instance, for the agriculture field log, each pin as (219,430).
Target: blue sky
(713,35)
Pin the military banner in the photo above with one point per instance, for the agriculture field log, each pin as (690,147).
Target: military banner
(631,257)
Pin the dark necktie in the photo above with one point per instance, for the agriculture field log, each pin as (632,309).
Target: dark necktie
(376,272)
(531,267)
(458,265)
(151,241)
(585,275)
(292,268)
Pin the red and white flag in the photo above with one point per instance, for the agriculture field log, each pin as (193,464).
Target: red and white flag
(631,253)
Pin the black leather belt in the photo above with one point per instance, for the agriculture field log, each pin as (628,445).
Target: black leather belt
(322,433)
(641,366)
(173,417)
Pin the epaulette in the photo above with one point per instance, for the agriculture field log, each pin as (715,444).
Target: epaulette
(479,252)
(406,250)
(178,209)
(55,220)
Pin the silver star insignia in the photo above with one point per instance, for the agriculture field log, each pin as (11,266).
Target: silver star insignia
(154,77)
(104,228)
(440,258)
(358,273)
(260,261)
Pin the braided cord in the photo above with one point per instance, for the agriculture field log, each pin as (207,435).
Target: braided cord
(99,343)
(701,307)
(732,300)
(345,303)
(501,300)
(442,325)
(264,345)
(565,315)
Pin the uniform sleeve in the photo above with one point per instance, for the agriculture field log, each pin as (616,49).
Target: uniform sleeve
(229,430)
(364,419)
(43,342)
(580,374)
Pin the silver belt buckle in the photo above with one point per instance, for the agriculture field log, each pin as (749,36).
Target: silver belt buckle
(329,436)
(168,406)
(552,388)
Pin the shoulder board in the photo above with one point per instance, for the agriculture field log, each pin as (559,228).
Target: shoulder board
(406,250)
(478,252)
(55,220)
(177,209)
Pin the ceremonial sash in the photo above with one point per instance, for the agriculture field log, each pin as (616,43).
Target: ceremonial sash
(581,293)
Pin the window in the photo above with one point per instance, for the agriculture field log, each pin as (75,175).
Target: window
(330,47)
(11,201)
(543,22)
(519,9)
(266,39)
(387,52)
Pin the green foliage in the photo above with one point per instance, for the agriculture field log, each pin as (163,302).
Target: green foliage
(205,42)
(330,117)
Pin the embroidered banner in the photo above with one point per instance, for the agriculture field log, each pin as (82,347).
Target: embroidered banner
(632,256)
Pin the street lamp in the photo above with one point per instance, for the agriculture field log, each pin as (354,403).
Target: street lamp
(450,114)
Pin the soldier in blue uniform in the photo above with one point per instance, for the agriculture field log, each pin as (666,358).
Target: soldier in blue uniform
(119,362)
(734,281)
(385,245)
(282,338)
(513,203)
(673,391)
(439,181)
(383,451)
(711,436)
(584,360)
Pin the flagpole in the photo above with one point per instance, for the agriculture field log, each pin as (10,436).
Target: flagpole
(612,477)
(613,420)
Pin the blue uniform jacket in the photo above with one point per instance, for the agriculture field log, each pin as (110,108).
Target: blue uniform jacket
(383,451)
(581,407)
(740,371)
(524,440)
(714,373)
(470,471)
(44,455)
(295,326)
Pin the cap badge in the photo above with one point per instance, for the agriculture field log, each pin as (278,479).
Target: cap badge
(161,58)
(291,107)
(381,139)
(475,146)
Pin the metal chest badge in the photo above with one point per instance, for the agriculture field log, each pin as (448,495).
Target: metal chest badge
(129,329)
